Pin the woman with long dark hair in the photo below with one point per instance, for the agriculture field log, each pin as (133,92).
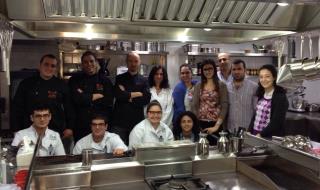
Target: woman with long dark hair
(186,127)
(210,101)
(272,105)
(160,91)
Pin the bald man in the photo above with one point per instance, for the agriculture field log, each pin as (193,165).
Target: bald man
(224,74)
(132,94)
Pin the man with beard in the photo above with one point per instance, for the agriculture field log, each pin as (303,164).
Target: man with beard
(224,74)
(91,93)
(242,97)
(132,94)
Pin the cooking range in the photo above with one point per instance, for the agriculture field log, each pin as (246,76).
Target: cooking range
(180,183)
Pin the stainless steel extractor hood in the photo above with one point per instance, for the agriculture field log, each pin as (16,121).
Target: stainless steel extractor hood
(230,21)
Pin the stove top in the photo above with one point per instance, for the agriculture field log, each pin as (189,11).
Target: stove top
(178,183)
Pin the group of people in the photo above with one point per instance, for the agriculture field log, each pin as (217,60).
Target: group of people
(137,110)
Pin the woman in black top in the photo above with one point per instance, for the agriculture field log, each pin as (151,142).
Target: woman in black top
(272,105)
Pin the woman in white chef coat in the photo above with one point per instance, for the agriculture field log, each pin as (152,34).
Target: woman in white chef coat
(100,141)
(160,91)
(151,129)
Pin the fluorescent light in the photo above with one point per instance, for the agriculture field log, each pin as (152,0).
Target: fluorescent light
(283,4)
(207,29)
(255,38)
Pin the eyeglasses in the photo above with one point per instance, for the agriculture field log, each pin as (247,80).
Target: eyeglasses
(38,116)
(222,59)
(50,65)
(208,69)
(155,112)
(98,125)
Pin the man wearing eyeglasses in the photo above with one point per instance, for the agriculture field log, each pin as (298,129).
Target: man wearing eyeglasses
(224,73)
(44,88)
(51,144)
(100,141)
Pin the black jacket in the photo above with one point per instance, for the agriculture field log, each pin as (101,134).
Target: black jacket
(279,107)
(128,113)
(53,92)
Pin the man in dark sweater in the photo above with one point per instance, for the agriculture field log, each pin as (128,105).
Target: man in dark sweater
(132,94)
(92,93)
(44,88)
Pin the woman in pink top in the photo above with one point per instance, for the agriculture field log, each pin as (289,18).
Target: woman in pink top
(210,101)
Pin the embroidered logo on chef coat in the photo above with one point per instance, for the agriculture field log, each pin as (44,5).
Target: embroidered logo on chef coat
(99,87)
(52,137)
(52,94)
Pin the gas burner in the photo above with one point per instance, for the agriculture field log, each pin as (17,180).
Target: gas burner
(185,183)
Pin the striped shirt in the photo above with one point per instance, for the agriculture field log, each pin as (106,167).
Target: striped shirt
(242,104)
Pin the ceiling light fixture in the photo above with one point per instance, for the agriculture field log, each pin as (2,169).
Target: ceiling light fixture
(283,4)
(255,38)
(207,29)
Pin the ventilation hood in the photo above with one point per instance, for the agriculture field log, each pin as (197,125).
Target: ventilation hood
(230,21)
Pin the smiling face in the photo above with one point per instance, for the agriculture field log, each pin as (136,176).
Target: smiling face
(185,74)
(154,114)
(266,79)
(89,65)
(41,118)
(208,71)
(98,128)
(186,124)
(48,68)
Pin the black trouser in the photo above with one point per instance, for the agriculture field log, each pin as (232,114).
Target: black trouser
(213,138)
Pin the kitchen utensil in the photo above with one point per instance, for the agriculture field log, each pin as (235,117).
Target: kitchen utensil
(236,144)
(203,145)
(223,143)
(313,107)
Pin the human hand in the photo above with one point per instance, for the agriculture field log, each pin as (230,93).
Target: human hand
(211,130)
(118,152)
(258,135)
(122,87)
(136,94)
(96,96)
(67,133)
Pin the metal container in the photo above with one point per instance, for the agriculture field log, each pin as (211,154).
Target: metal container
(87,157)
(203,145)
(139,46)
(223,143)
(161,46)
(236,144)
(152,46)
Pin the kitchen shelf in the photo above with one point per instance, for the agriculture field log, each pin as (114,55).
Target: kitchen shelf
(234,54)
(80,51)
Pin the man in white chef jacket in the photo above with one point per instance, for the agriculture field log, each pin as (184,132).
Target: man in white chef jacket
(100,141)
(51,144)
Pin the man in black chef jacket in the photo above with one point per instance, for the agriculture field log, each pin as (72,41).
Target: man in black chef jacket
(44,88)
(92,92)
(132,94)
